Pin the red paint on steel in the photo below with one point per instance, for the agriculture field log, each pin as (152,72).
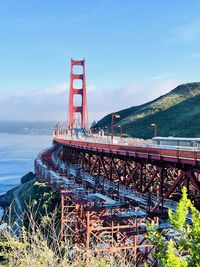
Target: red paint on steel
(169,155)
(82,109)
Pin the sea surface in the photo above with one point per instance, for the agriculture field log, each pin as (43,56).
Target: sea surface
(1,213)
(17,154)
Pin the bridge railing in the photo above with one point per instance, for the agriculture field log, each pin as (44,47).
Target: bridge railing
(105,139)
(139,146)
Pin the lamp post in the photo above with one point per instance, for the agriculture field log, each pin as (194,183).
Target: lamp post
(120,131)
(114,116)
(155,129)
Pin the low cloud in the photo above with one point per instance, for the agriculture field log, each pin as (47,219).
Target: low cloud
(104,102)
(39,104)
(51,104)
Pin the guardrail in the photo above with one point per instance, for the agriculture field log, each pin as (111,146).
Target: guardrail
(135,148)
(103,139)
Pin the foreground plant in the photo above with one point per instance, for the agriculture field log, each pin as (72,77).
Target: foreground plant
(39,246)
(179,246)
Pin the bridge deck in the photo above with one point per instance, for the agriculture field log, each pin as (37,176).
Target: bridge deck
(190,156)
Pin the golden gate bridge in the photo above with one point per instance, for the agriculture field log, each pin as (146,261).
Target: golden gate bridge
(111,189)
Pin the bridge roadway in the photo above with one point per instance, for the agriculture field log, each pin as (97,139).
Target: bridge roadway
(133,148)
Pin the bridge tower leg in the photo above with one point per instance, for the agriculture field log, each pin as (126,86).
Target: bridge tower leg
(81,109)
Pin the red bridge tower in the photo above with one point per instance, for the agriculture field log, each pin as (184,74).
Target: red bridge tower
(73,108)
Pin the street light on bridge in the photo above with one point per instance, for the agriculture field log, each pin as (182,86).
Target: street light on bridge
(155,129)
(114,116)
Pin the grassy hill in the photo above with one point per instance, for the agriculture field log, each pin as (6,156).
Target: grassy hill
(176,113)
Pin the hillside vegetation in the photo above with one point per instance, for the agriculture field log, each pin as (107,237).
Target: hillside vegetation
(31,193)
(176,113)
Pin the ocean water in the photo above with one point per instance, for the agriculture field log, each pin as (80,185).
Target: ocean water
(17,154)
(1,213)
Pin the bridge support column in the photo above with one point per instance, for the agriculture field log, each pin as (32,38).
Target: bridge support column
(81,108)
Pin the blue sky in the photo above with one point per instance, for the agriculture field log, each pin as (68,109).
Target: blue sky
(134,51)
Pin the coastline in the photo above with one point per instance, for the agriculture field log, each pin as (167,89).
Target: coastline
(6,200)
(9,197)
(1,213)
(17,155)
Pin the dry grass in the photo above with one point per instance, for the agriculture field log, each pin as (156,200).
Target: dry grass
(39,245)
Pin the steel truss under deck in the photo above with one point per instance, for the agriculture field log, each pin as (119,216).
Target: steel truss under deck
(163,179)
(107,228)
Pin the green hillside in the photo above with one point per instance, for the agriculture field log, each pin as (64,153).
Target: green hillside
(176,113)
